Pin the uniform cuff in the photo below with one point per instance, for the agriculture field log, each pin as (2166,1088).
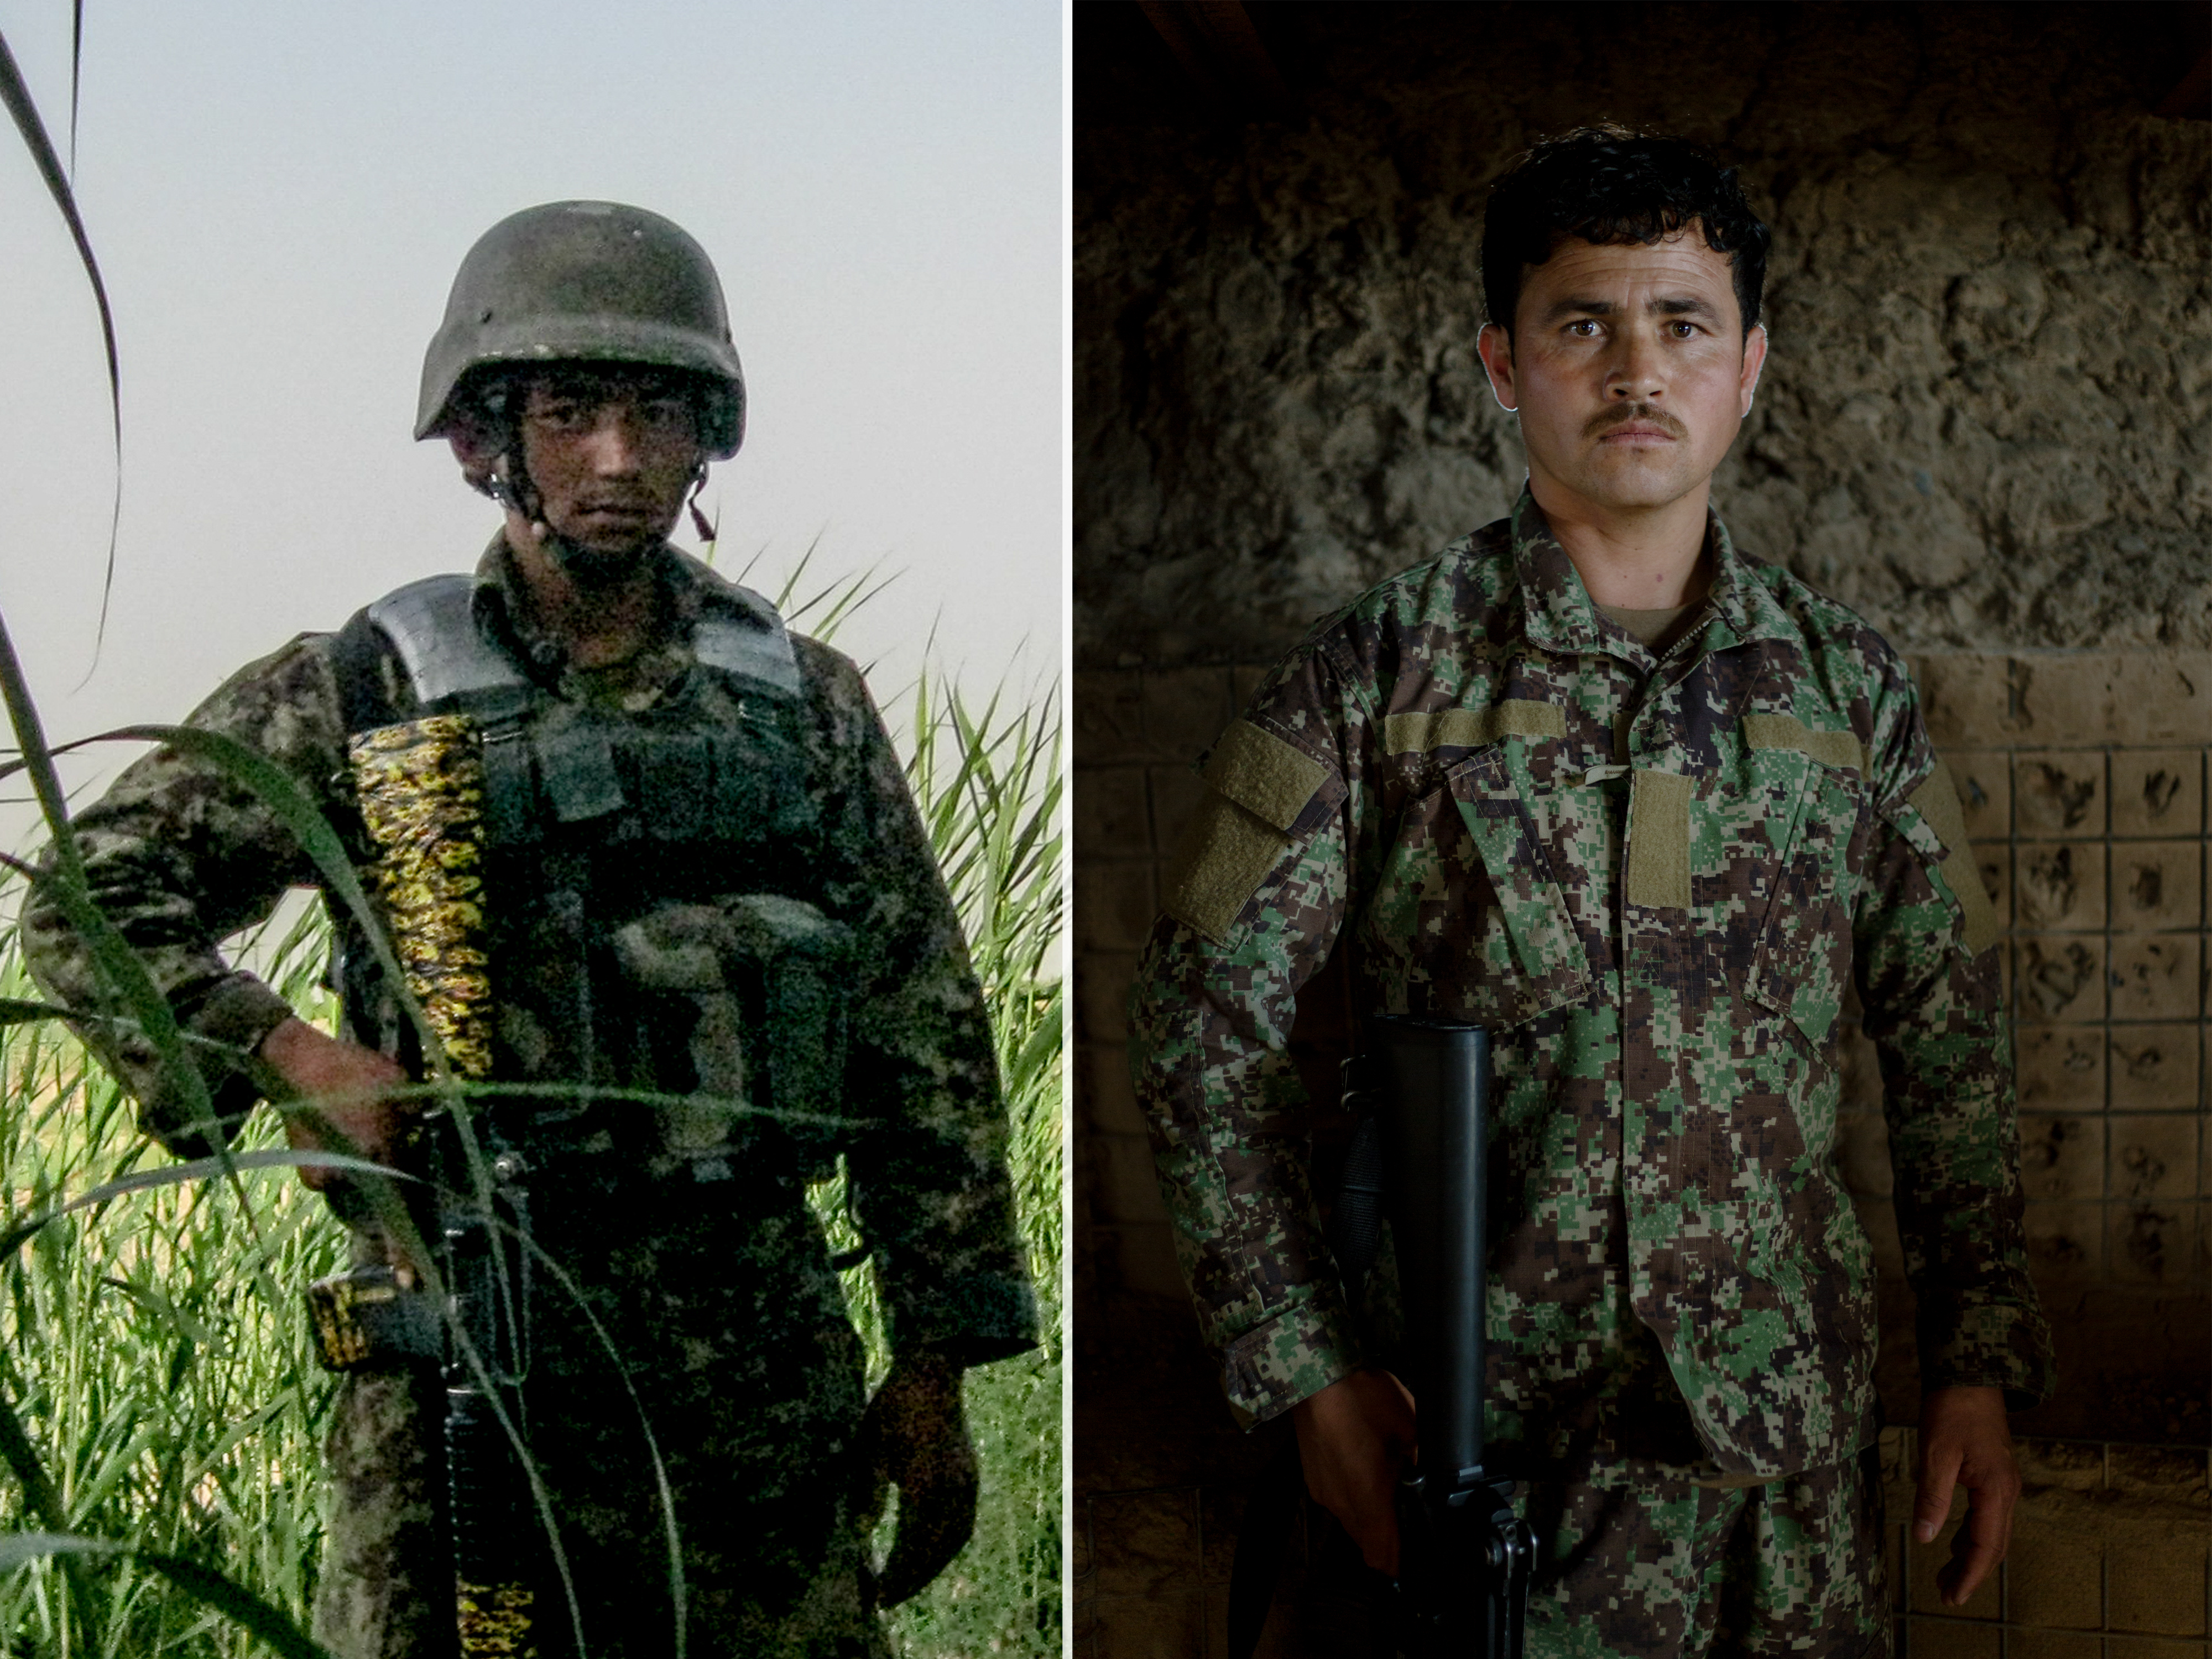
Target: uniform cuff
(1293,1356)
(236,1013)
(1991,1345)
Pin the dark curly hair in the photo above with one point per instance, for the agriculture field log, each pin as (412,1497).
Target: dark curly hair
(1609,185)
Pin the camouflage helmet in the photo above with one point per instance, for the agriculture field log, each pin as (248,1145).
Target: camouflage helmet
(588,282)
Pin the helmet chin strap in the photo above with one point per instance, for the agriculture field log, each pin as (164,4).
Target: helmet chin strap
(515,492)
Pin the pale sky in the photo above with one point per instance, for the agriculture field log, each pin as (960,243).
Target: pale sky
(279,195)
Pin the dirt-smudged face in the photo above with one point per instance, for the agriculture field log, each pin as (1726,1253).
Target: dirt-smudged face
(1630,370)
(611,456)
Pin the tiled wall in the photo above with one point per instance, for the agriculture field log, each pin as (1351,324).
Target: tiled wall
(2087,794)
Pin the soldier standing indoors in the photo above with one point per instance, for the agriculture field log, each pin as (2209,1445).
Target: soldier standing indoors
(1648,809)
(704,882)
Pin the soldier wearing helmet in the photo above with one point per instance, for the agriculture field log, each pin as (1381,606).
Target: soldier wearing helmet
(695,885)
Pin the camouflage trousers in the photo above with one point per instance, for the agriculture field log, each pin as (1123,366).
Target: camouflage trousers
(748,1372)
(1657,1566)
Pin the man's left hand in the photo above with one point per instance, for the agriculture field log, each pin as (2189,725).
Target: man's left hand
(916,1438)
(1965,1440)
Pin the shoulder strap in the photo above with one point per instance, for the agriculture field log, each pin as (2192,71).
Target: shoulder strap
(432,630)
(741,634)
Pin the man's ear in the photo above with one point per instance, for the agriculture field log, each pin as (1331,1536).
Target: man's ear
(476,445)
(1754,359)
(1495,347)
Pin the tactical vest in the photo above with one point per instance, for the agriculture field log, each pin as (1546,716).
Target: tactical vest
(648,880)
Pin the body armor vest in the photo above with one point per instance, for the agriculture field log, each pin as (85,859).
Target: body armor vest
(648,880)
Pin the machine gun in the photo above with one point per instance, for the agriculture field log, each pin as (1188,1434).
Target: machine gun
(1464,1557)
(478,1339)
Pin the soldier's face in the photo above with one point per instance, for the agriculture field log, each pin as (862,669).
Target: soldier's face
(612,455)
(1630,369)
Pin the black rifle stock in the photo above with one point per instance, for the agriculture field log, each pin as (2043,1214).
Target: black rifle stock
(1465,1557)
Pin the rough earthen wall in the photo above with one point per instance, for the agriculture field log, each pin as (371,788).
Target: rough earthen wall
(1986,421)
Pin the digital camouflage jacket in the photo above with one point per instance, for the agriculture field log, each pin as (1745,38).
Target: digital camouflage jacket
(1655,881)
(180,857)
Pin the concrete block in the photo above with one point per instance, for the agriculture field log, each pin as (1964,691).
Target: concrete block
(1123,1188)
(1994,863)
(1145,1543)
(2158,1592)
(1109,717)
(1163,1627)
(2065,1241)
(1966,700)
(2062,1157)
(2066,698)
(2164,698)
(2158,792)
(1878,1217)
(2054,1580)
(2154,1155)
(2059,793)
(2154,1647)
(1863,1140)
(2158,886)
(1114,905)
(2060,1068)
(2151,1243)
(2155,1067)
(1102,995)
(1139,1256)
(1112,818)
(2061,980)
(2022,1643)
(1984,780)
(1176,792)
(2058,886)
(1952,1638)
(1107,1098)
(2156,976)
(1185,710)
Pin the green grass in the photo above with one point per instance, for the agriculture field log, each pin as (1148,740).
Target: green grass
(153,1346)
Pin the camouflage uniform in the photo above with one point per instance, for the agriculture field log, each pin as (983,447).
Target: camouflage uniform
(710,1274)
(1655,879)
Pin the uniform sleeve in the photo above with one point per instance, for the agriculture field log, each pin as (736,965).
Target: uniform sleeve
(1926,949)
(929,1180)
(1255,906)
(178,857)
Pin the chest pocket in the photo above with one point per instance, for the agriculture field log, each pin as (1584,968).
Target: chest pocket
(1471,900)
(1806,789)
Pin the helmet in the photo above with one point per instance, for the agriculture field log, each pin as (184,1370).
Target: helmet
(590,282)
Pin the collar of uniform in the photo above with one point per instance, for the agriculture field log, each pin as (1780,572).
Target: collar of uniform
(1561,616)
(503,615)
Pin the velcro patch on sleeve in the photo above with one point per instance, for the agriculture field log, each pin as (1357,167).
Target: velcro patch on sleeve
(1226,853)
(1659,839)
(1837,749)
(1937,801)
(1268,777)
(1261,784)
(1472,728)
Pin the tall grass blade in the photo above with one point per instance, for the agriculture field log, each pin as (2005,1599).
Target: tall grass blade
(203,1584)
(76,73)
(17,95)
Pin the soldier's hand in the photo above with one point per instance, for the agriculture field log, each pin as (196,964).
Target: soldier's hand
(916,1439)
(1965,1440)
(1355,1439)
(341,1083)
